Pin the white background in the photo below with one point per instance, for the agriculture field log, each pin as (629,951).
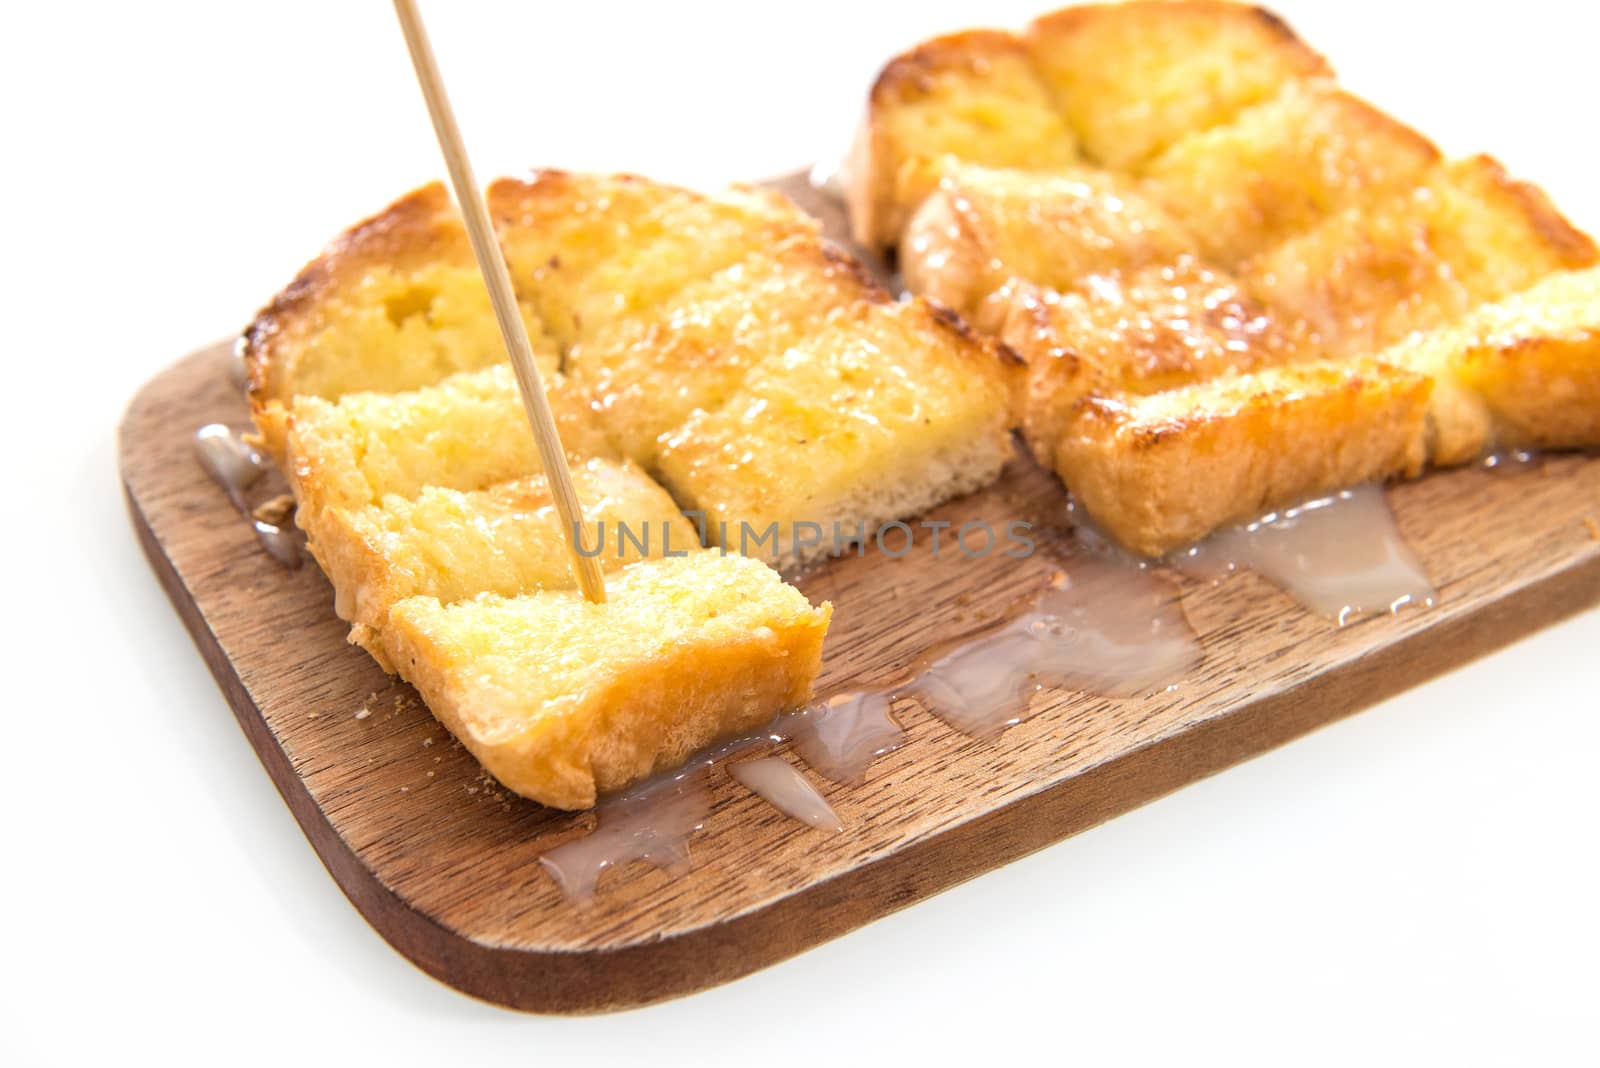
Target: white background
(1418,883)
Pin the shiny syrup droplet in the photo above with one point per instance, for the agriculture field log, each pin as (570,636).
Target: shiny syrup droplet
(231,462)
(282,544)
(236,465)
(785,789)
(840,736)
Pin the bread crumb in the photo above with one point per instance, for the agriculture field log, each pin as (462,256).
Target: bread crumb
(426,742)
(430,773)
(1592,526)
(363,713)
(275,511)
(404,789)
(312,715)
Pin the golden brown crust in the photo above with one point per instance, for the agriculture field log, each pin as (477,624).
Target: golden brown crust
(896,158)
(1161,472)
(1570,246)
(422,223)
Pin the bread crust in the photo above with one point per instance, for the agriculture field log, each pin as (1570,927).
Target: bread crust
(1161,476)
(419,224)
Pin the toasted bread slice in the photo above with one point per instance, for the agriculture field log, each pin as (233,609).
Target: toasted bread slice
(1281,166)
(505,540)
(1163,470)
(985,228)
(396,302)
(888,410)
(1133,78)
(647,373)
(1241,238)
(1142,332)
(561,699)
(585,250)
(970,97)
(1524,372)
(468,432)
(1366,277)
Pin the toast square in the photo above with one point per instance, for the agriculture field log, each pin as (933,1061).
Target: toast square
(1365,278)
(562,700)
(971,97)
(646,373)
(468,432)
(1141,332)
(1522,372)
(396,302)
(888,410)
(1133,78)
(585,250)
(1281,166)
(1163,470)
(985,228)
(505,540)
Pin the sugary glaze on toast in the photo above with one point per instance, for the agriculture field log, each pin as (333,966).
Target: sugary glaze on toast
(716,343)
(1235,285)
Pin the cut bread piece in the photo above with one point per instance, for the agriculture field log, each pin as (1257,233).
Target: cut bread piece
(1523,372)
(1133,78)
(562,700)
(970,97)
(396,302)
(505,540)
(885,412)
(985,228)
(1281,166)
(1150,330)
(645,374)
(1365,278)
(468,432)
(1161,471)
(585,250)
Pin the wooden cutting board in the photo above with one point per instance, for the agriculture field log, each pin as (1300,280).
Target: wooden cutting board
(446,867)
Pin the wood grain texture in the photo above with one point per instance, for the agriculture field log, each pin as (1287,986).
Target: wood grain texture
(445,865)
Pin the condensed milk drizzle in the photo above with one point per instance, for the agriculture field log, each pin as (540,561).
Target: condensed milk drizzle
(1341,556)
(652,824)
(840,735)
(785,789)
(1102,624)
(236,465)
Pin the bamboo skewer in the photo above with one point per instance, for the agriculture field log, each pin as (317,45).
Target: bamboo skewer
(591,580)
